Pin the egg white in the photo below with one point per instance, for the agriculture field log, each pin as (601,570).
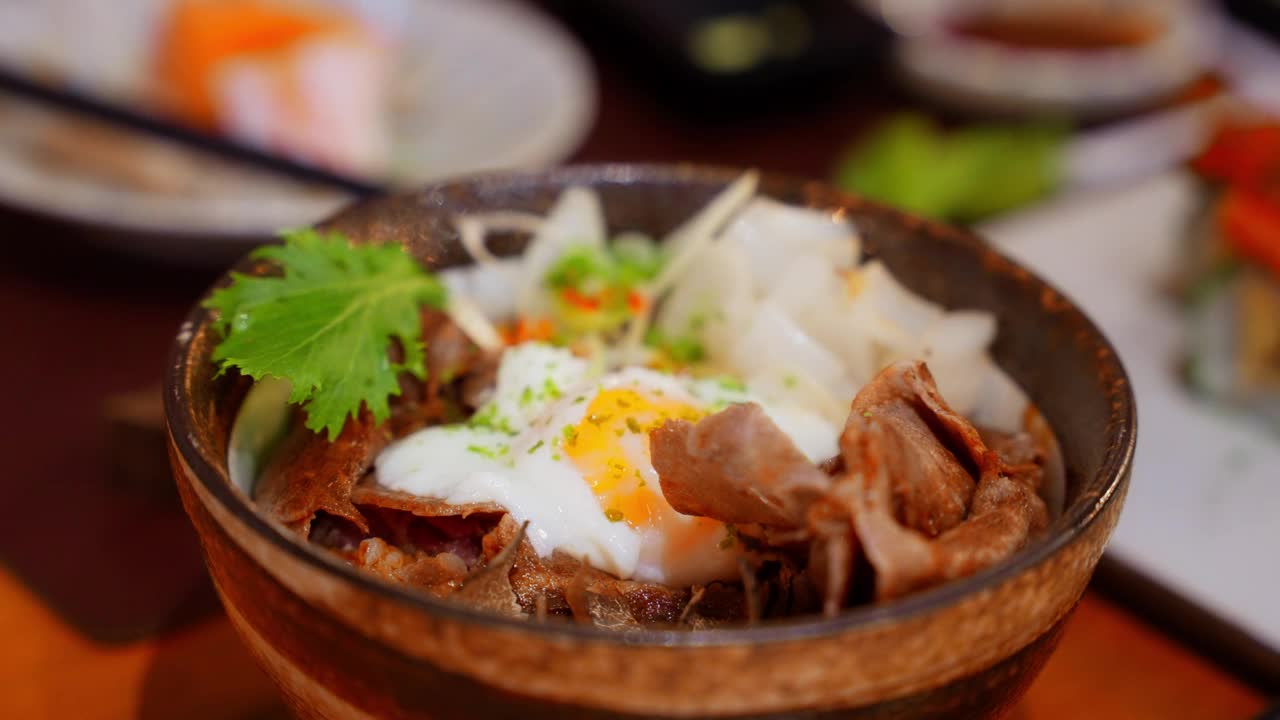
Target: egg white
(513,455)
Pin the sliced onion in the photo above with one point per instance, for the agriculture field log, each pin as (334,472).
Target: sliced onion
(684,243)
(960,379)
(784,387)
(576,219)
(471,320)
(492,287)
(508,221)
(813,293)
(775,340)
(471,234)
(771,233)
(890,313)
(960,333)
(840,331)
(712,302)
(1001,404)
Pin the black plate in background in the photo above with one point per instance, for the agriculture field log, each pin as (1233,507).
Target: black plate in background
(815,47)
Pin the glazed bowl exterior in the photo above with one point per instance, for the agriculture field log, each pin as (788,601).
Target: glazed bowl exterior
(343,644)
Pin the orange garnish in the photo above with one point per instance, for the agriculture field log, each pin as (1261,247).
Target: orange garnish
(588,303)
(636,302)
(1250,224)
(525,330)
(201,35)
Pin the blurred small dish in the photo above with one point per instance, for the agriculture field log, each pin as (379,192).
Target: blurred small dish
(1087,59)
(478,85)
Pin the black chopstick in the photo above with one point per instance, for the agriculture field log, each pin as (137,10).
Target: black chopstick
(82,104)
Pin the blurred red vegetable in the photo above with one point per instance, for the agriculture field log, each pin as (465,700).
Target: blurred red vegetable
(1246,156)
(1251,225)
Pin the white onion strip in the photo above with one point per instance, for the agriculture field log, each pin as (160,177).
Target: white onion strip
(472,321)
(684,244)
(471,233)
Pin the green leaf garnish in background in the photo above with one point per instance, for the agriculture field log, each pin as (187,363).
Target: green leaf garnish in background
(327,323)
(964,176)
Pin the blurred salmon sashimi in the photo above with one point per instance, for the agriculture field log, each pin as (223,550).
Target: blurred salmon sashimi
(302,79)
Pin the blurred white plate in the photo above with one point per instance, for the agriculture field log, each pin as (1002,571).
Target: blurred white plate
(988,77)
(1205,496)
(480,85)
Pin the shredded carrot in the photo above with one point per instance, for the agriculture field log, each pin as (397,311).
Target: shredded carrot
(1251,225)
(1243,156)
(524,330)
(588,303)
(636,302)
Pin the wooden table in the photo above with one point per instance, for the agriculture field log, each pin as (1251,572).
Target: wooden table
(93,569)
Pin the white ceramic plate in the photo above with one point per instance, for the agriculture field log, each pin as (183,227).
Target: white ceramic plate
(987,77)
(481,85)
(1201,515)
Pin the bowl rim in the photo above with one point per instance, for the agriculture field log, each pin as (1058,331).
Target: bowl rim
(1076,519)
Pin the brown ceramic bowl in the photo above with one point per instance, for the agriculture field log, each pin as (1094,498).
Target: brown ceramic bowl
(340,643)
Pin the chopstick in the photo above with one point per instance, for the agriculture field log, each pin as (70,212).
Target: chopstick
(145,124)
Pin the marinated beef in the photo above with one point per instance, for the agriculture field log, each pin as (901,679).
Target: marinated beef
(369,493)
(936,454)
(918,496)
(489,587)
(309,473)
(439,574)
(903,492)
(736,466)
(565,586)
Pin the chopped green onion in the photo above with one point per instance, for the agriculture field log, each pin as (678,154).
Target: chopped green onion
(731,384)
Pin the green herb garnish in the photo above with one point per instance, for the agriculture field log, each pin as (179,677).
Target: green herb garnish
(680,350)
(962,175)
(327,322)
(598,289)
(613,515)
(487,418)
(731,384)
(535,447)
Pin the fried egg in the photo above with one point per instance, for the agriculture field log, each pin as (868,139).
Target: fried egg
(568,452)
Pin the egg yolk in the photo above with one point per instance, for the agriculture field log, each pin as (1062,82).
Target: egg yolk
(610,447)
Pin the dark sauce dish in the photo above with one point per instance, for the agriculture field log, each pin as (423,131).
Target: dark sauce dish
(340,643)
